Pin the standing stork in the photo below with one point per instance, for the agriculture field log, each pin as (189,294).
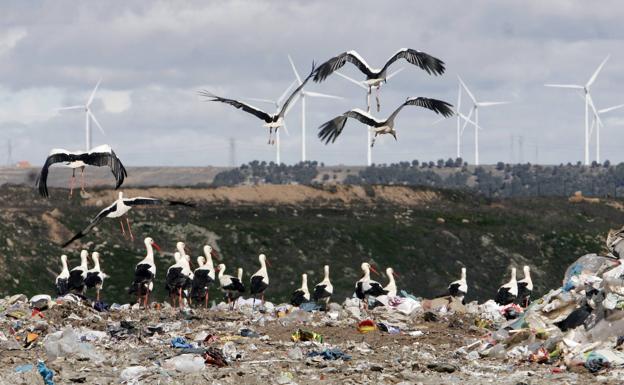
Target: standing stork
(508,292)
(203,276)
(229,284)
(176,279)
(272,122)
(95,276)
(144,273)
(329,131)
(391,287)
(259,281)
(78,274)
(302,294)
(119,208)
(525,288)
(375,77)
(98,156)
(366,287)
(459,288)
(62,280)
(324,289)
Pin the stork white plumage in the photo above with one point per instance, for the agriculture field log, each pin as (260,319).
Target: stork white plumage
(88,116)
(303,94)
(366,287)
(260,280)
(475,110)
(324,289)
(589,103)
(118,209)
(144,273)
(391,287)
(229,284)
(99,156)
(525,288)
(78,274)
(95,276)
(203,276)
(302,294)
(508,292)
(62,280)
(459,288)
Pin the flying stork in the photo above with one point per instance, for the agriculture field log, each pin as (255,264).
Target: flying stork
(98,156)
(272,122)
(375,77)
(119,208)
(330,130)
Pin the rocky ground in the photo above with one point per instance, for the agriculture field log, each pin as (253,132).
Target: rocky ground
(134,346)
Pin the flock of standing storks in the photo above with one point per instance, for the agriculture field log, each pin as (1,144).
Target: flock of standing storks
(186,286)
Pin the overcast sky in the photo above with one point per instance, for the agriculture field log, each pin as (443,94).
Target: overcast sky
(153,57)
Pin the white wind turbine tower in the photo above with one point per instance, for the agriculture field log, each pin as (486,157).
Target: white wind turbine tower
(303,95)
(88,116)
(588,102)
(364,85)
(475,110)
(597,122)
(277,103)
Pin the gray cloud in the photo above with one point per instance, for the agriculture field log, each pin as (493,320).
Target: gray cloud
(155,55)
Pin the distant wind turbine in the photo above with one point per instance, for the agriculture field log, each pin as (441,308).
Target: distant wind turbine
(475,110)
(588,102)
(88,116)
(303,94)
(597,122)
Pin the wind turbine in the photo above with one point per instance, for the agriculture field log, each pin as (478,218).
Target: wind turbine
(475,110)
(588,102)
(597,122)
(303,95)
(88,116)
(277,103)
(365,86)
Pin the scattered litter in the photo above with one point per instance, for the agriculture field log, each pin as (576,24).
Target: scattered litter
(180,343)
(45,373)
(249,333)
(305,335)
(24,368)
(388,328)
(331,354)
(366,326)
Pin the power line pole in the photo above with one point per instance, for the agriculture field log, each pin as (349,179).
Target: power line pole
(232,152)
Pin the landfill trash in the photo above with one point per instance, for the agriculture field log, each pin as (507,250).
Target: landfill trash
(41,302)
(249,333)
(511,311)
(597,360)
(45,373)
(230,352)
(66,342)
(180,343)
(305,335)
(132,373)
(366,326)
(388,328)
(24,368)
(295,353)
(405,305)
(101,306)
(430,317)
(296,316)
(185,363)
(214,356)
(310,306)
(442,367)
(330,354)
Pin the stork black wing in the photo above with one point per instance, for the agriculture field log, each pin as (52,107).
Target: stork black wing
(42,179)
(435,105)
(329,131)
(240,105)
(109,159)
(141,201)
(423,60)
(101,215)
(335,63)
(285,108)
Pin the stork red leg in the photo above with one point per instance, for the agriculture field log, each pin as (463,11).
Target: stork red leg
(71,182)
(129,229)
(123,232)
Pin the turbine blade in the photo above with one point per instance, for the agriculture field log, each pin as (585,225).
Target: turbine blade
(565,86)
(285,94)
(285,129)
(268,101)
(93,93)
(395,73)
(320,95)
(467,119)
(595,74)
(487,104)
(292,65)
(459,95)
(95,121)
(604,110)
(474,100)
(593,107)
(71,108)
(292,104)
(361,84)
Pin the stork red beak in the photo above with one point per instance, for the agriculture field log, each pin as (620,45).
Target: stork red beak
(156,246)
(217,269)
(374,270)
(214,254)
(395,274)
(267,262)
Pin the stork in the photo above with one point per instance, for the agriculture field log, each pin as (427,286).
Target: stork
(78,274)
(144,273)
(391,287)
(459,288)
(525,288)
(229,284)
(302,294)
(508,292)
(259,280)
(366,287)
(62,280)
(95,276)
(324,289)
